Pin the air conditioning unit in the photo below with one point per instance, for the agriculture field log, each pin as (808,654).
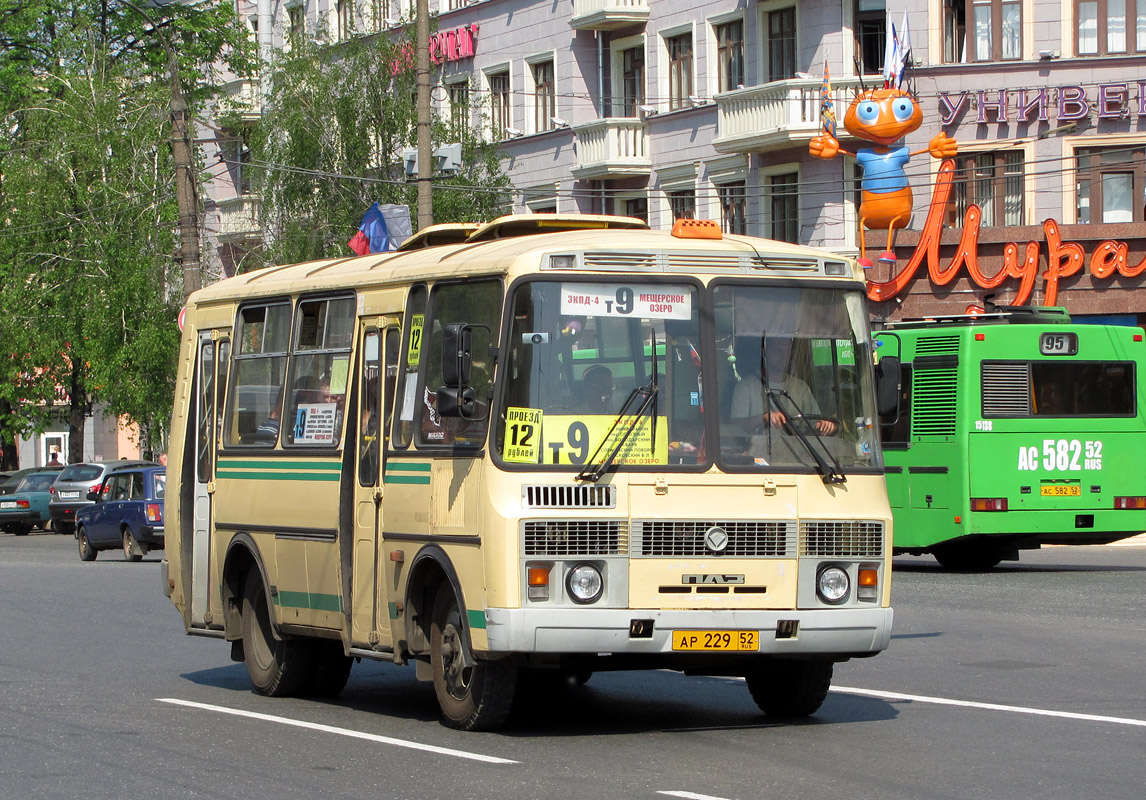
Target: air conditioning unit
(410,159)
(448,158)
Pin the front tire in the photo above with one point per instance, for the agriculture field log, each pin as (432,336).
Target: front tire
(278,667)
(473,695)
(87,552)
(788,688)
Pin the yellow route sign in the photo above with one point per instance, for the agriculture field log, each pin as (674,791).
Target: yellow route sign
(522,435)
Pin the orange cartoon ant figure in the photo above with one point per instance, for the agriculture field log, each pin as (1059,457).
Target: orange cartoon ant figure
(883,117)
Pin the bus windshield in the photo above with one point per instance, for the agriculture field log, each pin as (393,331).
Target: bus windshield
(578,349)
(795,387)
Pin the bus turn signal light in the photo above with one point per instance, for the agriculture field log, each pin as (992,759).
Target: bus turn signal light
(867,583)
(988,504)
(696,229)
(1130,503)
(538,580)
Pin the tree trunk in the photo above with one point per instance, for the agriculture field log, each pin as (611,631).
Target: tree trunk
(9,456)
(77,416)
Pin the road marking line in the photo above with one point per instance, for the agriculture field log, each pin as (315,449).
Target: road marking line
(314,726)
(943,701)
(692,796)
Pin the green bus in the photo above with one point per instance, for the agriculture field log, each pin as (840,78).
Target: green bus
(1013,429)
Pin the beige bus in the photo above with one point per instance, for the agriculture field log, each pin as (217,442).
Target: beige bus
(547,446)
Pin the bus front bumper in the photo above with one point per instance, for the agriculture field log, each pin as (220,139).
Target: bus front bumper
(819,632)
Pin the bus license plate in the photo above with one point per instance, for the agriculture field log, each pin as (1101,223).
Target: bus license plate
(1061,491)
(716,641)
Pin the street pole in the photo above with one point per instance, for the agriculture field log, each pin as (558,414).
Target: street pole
(425,153)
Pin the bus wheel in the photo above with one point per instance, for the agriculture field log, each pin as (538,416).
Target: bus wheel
(787,688)
(331,670)
(278,667)
(963,557)
(473,695)
(87,552)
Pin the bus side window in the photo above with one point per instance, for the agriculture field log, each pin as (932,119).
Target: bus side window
(409,362)
(261,348)
(320,370)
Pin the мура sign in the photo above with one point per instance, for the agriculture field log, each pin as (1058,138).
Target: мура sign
(1063,258)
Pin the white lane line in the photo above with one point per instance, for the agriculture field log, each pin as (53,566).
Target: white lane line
(314,726)
(692,796)
(944,701)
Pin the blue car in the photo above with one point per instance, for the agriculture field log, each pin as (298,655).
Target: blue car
(127,513)
(27,506)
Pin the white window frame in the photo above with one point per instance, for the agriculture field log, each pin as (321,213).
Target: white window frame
(541,197)
(1070,147)
(712,49)
(531,91)
(664,65)
(622,197)
(762,54)
(1029,164)
(935,33)
(616,72)
(452,82)
(717,172)
(763,174)
(504,68)
(677,178)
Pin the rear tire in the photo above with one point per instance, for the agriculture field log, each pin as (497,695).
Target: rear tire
(19,529)
(964,557)
(131,549)
(87,552)
(278,667)
(788,688)
(473,695)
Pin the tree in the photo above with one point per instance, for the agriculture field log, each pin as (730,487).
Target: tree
(88,292)
(330,142)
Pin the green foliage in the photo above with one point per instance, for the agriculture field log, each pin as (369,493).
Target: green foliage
(330,142)
(88,289)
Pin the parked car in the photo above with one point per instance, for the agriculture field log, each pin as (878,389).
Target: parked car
(126,512)
(70,492)
(27,507)
(13,480)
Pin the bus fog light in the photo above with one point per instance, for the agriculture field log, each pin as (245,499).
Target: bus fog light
(833,585)
(584,583)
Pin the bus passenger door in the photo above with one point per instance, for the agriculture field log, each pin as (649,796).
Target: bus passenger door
(214,352)
(370,617)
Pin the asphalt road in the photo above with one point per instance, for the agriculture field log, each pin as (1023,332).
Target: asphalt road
(1023,682)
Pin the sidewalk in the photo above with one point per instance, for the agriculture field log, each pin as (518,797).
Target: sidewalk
(1133,541)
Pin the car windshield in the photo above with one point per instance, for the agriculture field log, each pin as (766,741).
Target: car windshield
(794,383)
(578,350)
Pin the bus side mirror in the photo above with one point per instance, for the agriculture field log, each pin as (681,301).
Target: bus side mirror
(457,354)
(887,388)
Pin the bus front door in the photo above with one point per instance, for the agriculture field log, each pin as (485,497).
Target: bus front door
(370,607)
(214,355)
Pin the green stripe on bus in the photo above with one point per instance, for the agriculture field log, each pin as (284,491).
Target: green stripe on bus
(309,600)
(279,464)
(476,619)
(406,479)
(406,466)
(281,476)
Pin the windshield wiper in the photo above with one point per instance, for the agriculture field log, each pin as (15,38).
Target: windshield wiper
(648,397)
(831,473)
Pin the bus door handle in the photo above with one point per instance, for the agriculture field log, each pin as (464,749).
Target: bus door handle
(377,495)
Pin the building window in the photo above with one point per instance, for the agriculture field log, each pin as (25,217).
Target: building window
(1110,184)
(459,99)
(995,30)
(1109,27)
(683,203)
(730,55)
(954,31)
(296,21)
(994,183)
(781,27)
(680,70)
(499,103)
(871,34)
(636,207)
(783,203)
(344,9)
(632,80)
(544,96)
(236,154)
(733,207)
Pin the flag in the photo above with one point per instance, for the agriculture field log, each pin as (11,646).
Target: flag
(827,108)
(904,48)
(891,63)
(372,236)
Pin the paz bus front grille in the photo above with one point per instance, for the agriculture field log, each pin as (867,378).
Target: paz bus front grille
(754,539)
(841,538)
(574,537)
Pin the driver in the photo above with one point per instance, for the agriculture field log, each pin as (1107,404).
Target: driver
(748,398)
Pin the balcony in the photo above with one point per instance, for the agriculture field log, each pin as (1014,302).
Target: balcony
(614,147)
(243,98)
(607,15)
(239,218)
(776,115)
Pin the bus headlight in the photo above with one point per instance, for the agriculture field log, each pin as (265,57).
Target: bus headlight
(584,583)
(833,585)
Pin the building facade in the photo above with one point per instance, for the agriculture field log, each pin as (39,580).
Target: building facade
(670,109)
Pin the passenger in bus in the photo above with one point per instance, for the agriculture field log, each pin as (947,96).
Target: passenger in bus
(754,356)
(596,390)
(268,430)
